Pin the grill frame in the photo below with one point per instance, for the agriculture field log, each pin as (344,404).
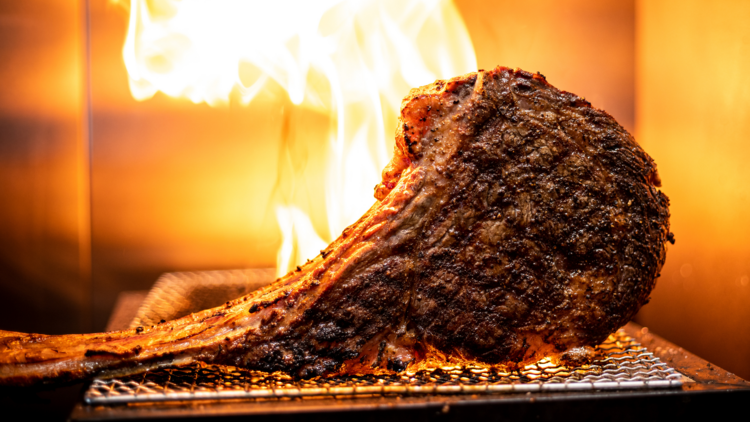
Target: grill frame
(708,393)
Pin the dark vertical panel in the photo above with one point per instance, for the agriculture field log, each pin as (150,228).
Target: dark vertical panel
(40,285)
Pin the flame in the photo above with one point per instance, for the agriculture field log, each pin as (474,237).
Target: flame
(351,60)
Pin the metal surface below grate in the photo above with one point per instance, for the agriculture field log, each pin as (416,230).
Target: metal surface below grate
(620,363)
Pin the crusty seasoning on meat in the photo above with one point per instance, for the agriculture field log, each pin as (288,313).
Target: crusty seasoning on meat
(515,221)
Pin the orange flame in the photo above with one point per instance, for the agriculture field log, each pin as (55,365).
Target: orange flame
(352,60)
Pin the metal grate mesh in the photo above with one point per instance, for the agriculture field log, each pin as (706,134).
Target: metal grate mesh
(175,295)
(620,363)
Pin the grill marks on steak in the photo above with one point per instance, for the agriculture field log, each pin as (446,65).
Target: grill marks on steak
(514,221)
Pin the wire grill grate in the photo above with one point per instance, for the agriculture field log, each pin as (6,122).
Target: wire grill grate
(621,363)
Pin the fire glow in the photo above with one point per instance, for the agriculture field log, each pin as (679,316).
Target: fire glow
(352,61)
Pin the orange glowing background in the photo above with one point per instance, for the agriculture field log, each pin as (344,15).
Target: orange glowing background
(177,186)
(693,117)
(344,62)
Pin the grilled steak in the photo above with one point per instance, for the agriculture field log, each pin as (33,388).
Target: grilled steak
(515,221)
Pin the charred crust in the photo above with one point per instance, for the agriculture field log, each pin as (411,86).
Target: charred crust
(381,349)
(555,206)
(408,142)
(523,74)
(92,352)
(396,365)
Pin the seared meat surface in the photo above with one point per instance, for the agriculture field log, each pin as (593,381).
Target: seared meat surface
(515,221)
